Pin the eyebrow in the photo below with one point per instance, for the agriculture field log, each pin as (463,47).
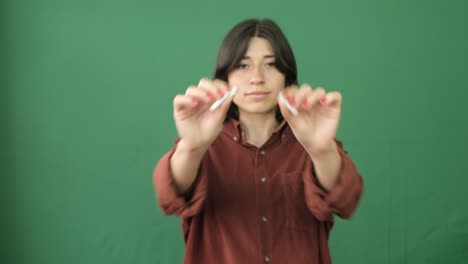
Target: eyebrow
(265,57)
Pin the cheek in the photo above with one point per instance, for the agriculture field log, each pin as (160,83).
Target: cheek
(275,75)
(277,79)
(237,99)
(236,80)
(239,96)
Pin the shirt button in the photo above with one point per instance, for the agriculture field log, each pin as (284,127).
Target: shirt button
(267,259)
(263,179)
(264,219)
(262,152)
(235,138)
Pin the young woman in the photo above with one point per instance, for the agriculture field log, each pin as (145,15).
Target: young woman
(252,181)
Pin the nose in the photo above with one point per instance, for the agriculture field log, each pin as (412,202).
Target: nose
(257,76)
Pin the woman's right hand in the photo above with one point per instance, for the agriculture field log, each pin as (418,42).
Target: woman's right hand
(196,124)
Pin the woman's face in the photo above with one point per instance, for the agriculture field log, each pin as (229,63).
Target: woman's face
(257,79)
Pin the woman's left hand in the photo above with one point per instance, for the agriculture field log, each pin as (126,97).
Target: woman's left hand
(318,115)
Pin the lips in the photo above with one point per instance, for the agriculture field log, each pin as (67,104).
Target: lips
(257,93)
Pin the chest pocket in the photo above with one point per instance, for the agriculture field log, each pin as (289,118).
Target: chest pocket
(297,214)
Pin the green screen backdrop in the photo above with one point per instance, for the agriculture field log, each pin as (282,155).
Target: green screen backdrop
(86,105)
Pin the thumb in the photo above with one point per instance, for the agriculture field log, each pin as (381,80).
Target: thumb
(227,99)
(287,114)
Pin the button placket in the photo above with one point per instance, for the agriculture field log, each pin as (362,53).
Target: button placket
(263,180)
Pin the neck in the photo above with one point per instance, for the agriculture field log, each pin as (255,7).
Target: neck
(258,127)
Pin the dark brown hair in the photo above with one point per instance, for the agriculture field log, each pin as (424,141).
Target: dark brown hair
(234,47)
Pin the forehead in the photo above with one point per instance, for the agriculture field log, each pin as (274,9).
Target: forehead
(258,47)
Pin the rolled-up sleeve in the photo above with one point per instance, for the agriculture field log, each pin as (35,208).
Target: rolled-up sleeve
(170,200)
(343,199)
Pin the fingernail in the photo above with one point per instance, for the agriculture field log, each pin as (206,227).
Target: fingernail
(323,100)
(292,101)
(194,101)
(304,102)
(220,93)
(209,96)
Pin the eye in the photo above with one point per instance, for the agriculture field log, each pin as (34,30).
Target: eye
(271,64)
(242,66)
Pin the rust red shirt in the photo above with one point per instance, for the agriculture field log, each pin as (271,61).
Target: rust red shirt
(257,205)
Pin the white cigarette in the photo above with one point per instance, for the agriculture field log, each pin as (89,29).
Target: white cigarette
(218,102)
(291,108)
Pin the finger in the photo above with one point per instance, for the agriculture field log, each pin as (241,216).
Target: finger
(200,94)
(332,99)
(290,94)
(225,101)
(314,97)
(182,102)
(225,105)
(287,105)
(287,115)
(301,97)
(222,85)
(215,89)
(206,85)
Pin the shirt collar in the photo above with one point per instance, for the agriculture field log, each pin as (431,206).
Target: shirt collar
(233,129)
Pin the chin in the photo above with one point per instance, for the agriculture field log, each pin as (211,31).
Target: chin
(259,110)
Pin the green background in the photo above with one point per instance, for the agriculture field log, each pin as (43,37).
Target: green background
(86,107)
